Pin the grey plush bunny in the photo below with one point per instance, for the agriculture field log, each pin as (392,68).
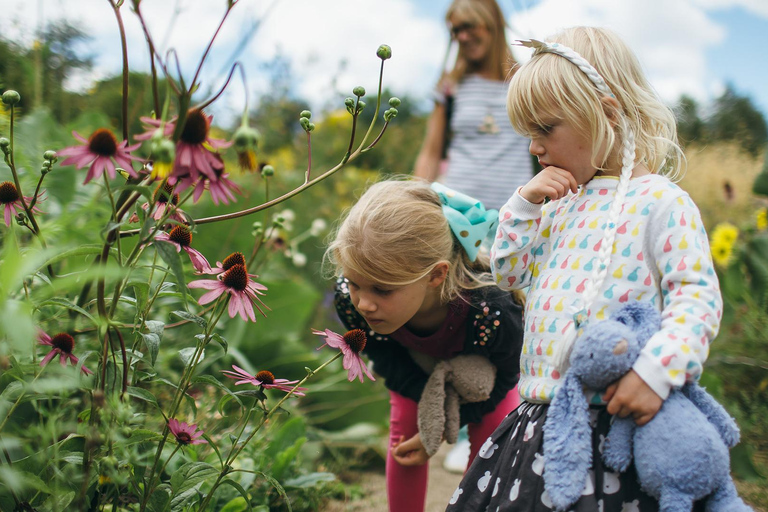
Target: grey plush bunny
(681,455)
(465,378)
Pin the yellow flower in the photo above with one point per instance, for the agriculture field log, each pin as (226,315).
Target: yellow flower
(762,219)
(725,233)
(722,252)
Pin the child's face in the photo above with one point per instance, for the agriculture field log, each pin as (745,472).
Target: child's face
(560,144)
(387,308)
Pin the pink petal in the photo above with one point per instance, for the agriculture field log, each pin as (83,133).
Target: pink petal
(208,284)
(211,296)
(48,357)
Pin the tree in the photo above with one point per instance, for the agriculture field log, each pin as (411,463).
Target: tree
(735,118)
(690,127)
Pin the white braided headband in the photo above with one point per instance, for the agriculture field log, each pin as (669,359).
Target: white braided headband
(580,314)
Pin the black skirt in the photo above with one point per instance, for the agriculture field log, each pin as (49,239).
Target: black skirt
(506,475)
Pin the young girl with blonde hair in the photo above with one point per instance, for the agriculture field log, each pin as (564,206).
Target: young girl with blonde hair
(601,225)
(411,274)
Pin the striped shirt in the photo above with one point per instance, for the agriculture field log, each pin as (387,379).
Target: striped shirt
(487,159)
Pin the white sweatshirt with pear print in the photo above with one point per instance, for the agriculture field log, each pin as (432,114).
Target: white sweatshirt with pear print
(660,254)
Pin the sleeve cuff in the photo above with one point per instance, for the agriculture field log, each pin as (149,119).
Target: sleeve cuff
(521,208)
(648,369)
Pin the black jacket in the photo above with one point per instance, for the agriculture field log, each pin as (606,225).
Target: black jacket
(494,329)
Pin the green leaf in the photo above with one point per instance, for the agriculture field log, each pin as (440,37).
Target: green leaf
(62,302)
(285,458)
(59,500)
(209,379)
(191,475)
(310,480)
(159,499)
(279,488)
(186,355)
(141,291)
(140,435)
(142,394)
(77,252)
(742,465)
(201,322)
(239,489)
(238,504)
(144,191)
(222,341)
(152,339)
(167,251)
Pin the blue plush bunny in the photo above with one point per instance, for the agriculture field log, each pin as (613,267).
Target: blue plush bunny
(681,455)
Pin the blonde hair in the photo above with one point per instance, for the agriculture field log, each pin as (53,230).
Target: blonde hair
(551,87)
(395,235)
(486,13)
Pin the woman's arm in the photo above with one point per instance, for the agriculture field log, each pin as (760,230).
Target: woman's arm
(428,161)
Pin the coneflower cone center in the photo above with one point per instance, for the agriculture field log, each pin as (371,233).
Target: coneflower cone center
(183,438)
(266,377)
(181,236)
(103,143)
(8,192)
(236,278)
(356,340)
(195,128)
(63,342)
(236,258)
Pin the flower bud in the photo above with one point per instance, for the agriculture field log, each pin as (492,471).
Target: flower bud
(304,122)
(306,113)
(311,126)
(267,171)
(384,52)
(245,139)
(299,259)
(45,170)
(50,156)
(11,97)
(5,144)
(360,106)
(359,91)
(21,218)
(350,104)
(318,226)
(258,226)
(394,102)
(390,113)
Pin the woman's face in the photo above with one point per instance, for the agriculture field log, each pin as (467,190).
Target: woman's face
(474,39)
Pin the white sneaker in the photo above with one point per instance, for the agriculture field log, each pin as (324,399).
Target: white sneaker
(457,459)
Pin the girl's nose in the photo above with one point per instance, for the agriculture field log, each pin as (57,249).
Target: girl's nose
(365,304)
(535,148)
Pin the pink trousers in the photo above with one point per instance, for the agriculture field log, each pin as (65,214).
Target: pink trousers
(407,485)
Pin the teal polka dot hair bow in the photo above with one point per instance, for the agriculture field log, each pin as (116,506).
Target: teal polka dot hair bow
(469,220)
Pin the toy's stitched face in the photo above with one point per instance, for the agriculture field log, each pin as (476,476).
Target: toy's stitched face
(605,352)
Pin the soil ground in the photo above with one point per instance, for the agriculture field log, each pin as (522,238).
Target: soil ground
(440,488)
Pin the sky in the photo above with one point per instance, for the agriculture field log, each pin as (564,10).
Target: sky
(692,47)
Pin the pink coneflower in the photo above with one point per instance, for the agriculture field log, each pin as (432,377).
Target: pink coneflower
(165,198)
(351,344)
(244,292)
(100,151)
(10,199)
(193,155)
(264,378)
(181,238)
(222,188)
(62,344)
(185,433)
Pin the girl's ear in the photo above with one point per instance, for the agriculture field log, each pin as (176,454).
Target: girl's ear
(612,109)
(438,274)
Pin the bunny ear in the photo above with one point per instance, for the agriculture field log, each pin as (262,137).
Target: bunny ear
(567,444)
(643,318)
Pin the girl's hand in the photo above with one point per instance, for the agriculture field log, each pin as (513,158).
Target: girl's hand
(552,182)
(630,395)
(410,452)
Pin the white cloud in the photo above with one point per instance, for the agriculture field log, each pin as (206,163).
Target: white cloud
(671,52)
